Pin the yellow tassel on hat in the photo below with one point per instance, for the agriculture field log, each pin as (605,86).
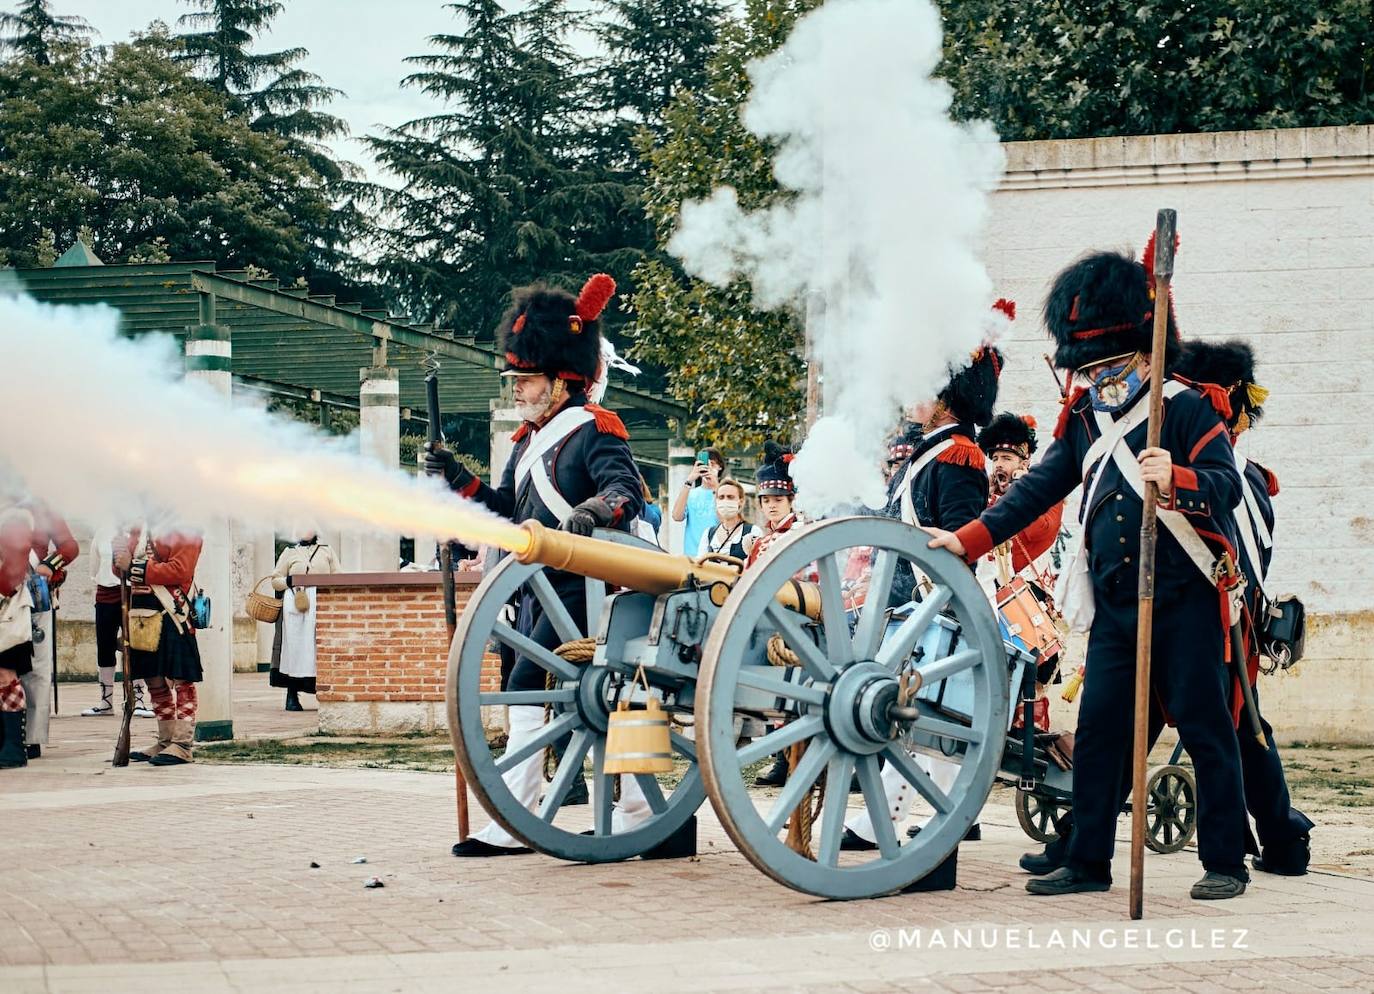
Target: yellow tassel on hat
(1256,394)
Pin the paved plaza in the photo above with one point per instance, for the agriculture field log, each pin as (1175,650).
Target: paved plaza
(199,879)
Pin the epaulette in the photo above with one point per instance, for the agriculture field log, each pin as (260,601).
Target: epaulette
(608,422)
(964,452)
(1216,396)
(1067,405)
(1271,482)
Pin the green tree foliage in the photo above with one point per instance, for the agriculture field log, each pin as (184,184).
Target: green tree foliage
(270,87)
(127,143)
(33,29)
(498,189)
(1065,69)
(738,368)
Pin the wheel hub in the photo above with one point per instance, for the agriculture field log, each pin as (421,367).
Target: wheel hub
(859,710)
(591,700)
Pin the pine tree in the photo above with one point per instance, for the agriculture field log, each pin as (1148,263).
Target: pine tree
(34,29)
(739,368)
(655,49)
(268,86)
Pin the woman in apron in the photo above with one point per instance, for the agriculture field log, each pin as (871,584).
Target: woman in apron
(728,537)
(294,662)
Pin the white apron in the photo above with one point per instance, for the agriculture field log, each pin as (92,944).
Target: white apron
(298,635)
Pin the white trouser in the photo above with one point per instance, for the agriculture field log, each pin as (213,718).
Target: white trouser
(900,794)
(38,685)
(526,781)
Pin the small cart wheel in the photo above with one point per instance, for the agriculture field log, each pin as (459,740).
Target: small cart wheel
(1038,814)
(1172,815)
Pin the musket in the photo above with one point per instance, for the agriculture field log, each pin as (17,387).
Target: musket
(436,437)
(1165,223)
(121,753)
(1063,387)
(56,709)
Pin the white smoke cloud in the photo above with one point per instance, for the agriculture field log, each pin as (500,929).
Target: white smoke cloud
(891,201)
(105,428)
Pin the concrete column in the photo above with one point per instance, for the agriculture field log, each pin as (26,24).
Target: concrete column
(209,358)
(264,561)
(680,458)
(379,415)
(504,423)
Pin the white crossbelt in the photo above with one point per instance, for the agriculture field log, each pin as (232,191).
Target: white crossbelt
(909,477)
(542,441)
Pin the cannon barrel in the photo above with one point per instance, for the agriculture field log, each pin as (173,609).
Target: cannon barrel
(646,570)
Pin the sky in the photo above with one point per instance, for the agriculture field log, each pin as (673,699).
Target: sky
(357,46)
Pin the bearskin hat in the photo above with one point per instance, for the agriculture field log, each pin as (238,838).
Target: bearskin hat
(1009,433)
(1102,306)
(904,442)
(1230,365)
(972,391)
(774,475)
(548,330)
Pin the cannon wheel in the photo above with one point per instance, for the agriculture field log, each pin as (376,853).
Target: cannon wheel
(841,708)
(578,699)
(1172,815)
(1037,814)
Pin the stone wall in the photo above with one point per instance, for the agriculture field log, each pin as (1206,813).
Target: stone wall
(1277,246)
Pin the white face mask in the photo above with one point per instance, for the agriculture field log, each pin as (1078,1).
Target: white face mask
(727,508)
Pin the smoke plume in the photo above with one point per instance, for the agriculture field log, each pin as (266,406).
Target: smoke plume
(890,202)
(105,428)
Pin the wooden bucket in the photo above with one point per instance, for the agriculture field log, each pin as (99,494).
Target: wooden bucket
(639,741)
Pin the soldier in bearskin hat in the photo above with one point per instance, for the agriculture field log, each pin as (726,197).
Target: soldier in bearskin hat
(1282,829)
(1008,441)
(1100,312)
(944,484)
(571,468)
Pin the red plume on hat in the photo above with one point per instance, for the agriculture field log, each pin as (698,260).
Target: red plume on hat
(596,294)
(1007,307)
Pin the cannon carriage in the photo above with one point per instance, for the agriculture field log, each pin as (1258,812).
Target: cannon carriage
(784,657)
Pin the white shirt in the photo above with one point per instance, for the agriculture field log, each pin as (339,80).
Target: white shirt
(102,558)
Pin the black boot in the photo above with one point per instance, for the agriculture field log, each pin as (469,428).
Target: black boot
(1056,854)
(293,703)
(12,752)
(1287,860)
(775,775)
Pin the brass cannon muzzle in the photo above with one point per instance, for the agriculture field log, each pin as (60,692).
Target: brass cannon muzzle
(645,570)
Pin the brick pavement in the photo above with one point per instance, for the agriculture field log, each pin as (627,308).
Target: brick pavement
(198,878)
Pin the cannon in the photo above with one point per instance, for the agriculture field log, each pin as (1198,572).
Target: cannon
(783,656)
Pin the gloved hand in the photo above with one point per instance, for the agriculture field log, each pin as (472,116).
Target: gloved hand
(591,513)
(439,461)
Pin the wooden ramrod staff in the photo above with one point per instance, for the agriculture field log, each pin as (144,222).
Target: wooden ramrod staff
(1165,224)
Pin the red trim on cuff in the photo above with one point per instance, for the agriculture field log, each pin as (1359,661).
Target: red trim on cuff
(1184,479)
(469,488)
(976,539)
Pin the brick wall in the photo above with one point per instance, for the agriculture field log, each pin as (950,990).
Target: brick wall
(382,652)
(1277,246)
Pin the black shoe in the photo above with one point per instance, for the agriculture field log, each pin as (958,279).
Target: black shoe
(35,751)
(577,793)
(139,757)
(167,759)
(854,786)
(1055,855)
(1216,887)
(477,848)
(775,775)
(293,703)
(1289,860)
(974,833)
(12,752)
(913,831)
(1066,880)
(852,842)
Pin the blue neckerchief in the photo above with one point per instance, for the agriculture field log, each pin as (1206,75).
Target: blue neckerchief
(1112,391)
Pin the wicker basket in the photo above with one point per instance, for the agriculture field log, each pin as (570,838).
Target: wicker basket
(263,607)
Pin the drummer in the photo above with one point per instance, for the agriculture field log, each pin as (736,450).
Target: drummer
(944,481)
(1008,442)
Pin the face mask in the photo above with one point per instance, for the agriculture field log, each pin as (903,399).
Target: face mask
(1117,386)
(727,508)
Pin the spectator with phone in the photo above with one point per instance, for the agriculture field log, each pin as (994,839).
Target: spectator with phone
(696,501)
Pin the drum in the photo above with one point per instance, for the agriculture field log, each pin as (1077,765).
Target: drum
(1026,621)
